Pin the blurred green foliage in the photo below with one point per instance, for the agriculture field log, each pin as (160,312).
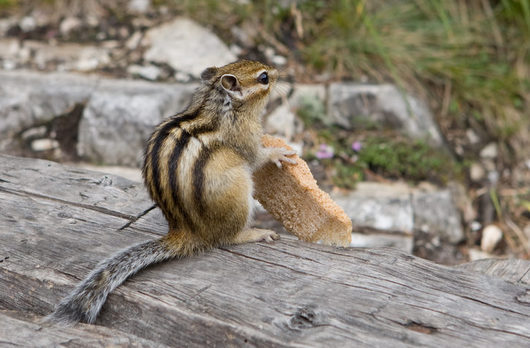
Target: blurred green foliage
(472,54)
(6,4)
(391,157)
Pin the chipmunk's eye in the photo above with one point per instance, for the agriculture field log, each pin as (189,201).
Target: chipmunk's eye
(263,78)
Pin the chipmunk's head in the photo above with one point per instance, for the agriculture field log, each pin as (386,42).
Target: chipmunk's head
(244,82)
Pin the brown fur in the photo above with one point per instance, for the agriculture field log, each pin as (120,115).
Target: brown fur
(206,199)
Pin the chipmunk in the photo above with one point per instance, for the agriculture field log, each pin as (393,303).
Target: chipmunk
(198,169)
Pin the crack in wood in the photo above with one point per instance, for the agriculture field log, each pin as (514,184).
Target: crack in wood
(75,204)
(420,327)
(491,305)
(468,322)
(291,254)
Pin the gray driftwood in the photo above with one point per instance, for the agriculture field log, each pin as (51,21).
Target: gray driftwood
(57,222)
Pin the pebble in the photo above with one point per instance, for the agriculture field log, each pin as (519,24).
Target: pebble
(134,41)
(91,58)
(491,236)
(493,177)
(35,132)
(27,24)
(475,226)
(476,172)
(139,6)
(490,151)
(149,72)
(472,136)
(69,24)
(279,60)
(44,144)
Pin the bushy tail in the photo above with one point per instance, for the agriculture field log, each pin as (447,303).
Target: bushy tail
(85,302)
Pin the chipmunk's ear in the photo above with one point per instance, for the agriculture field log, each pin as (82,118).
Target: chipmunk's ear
(208,74)
(230,83)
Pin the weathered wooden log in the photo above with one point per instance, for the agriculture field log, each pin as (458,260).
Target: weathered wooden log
(57,222)
(19,329)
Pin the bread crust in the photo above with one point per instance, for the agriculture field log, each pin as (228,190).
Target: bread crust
(292,196)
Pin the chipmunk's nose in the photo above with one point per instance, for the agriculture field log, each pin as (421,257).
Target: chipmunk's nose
(273,74)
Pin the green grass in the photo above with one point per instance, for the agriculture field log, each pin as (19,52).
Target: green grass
(7,4)
(391,156)
(412,160)
(473,56)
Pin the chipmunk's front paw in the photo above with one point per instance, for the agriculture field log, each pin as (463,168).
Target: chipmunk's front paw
(255,235)
(277,155)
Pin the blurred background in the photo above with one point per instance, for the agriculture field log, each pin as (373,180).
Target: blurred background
(413,114)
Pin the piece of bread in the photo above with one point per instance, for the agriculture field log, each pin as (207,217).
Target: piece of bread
(292,196)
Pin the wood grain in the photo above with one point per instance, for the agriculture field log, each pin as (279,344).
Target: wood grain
(57,222)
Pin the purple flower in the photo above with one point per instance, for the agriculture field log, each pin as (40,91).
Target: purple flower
(356,146)
(324,151)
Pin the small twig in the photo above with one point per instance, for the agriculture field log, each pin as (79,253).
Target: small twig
(297,20)
(446,98)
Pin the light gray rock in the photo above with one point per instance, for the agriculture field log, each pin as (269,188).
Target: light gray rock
(121,115)
(117,118)
(27,24)
(149,72)
(391,213)
(282,121)
(353,105)
(90,58)
(186,47)
(385,207)
(13,54)
(28,99)
(9,49)
(139,6)
(5,24)
(435,213)
(304,92)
